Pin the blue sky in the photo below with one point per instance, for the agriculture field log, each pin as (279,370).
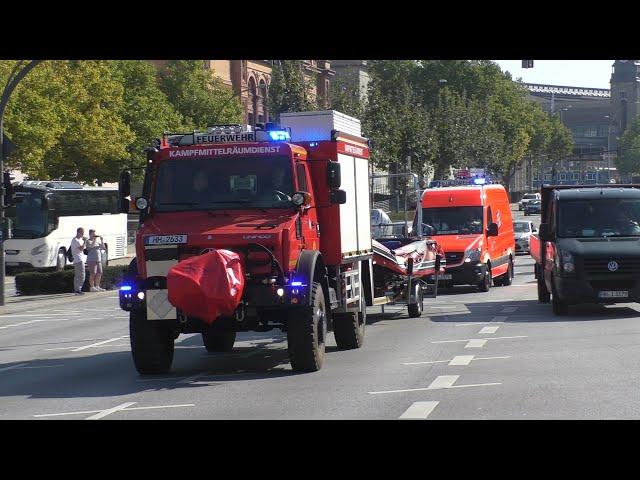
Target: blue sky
(573,73)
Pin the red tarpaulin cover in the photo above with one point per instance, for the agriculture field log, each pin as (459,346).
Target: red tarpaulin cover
(207,286)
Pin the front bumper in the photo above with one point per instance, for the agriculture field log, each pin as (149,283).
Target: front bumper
(580,290)
(468,273)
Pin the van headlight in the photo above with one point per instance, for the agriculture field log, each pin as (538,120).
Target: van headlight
(39,249)
(473,255)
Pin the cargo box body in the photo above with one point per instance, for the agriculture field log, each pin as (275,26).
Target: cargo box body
(317,126)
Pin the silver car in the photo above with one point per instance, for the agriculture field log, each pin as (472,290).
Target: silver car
(526,198)
(522,231)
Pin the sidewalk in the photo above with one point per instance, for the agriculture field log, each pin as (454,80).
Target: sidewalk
(22,303)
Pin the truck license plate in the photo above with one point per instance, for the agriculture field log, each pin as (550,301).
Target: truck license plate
(164,239)
(613,294)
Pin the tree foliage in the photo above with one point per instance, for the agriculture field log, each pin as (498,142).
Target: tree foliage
(290,89)
(628,161)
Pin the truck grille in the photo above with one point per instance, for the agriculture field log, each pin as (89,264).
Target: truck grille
(453,258)
(613,284)
(601,266)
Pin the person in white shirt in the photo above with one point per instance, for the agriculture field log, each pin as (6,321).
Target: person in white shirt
(78,244)
(94,260)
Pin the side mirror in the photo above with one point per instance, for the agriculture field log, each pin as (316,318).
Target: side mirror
(492,230)
(334,178)
(428,230)
(438,262)
(301,199)
(338,197)
(544,232)
(124,190)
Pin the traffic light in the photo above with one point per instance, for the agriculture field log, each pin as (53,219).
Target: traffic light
(527,63)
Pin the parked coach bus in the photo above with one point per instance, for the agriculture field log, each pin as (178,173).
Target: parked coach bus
(49,214)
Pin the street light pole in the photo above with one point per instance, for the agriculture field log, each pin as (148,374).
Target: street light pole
(17,74)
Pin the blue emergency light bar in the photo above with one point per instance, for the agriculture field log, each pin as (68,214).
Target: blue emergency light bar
(279,135)
(125,288)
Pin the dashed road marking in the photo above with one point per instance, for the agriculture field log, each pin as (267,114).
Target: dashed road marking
(440,383)
(461,360)
(124,407)
(419,411)
(508,309)
(468,339)
(18,365)
(476,343)
(489,330)
(499,319)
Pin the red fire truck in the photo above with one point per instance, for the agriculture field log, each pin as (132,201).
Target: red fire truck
(249,229)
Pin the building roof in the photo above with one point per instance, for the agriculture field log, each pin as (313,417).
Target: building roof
(537,88)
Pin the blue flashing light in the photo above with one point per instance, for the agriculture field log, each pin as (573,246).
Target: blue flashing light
(125,288)
(479,181)
(296,284)
(313,144)
(279,135)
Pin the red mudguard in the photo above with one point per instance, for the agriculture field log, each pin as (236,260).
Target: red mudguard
(207,286)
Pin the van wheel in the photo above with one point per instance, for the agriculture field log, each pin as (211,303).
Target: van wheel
(61,260)
(506,279)
(485,284)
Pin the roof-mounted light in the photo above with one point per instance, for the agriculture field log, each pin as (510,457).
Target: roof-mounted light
(279,135)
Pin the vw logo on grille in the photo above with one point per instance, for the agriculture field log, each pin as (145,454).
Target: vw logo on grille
(613,266)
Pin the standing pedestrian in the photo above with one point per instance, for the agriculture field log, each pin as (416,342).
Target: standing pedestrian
(95,244)
(78,244)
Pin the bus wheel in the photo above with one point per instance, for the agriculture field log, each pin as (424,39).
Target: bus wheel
(61,260)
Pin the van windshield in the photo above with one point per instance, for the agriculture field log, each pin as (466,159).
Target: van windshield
(453,220)
(528,196)
(607,217)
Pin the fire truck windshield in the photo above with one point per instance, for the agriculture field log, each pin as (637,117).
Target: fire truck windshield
(223,183)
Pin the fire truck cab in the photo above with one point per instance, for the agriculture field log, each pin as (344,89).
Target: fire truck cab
(287,209)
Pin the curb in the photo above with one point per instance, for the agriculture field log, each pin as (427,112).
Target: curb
(60,299)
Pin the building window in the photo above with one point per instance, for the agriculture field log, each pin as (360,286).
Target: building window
(548,176)
(562,176)
(590,176)
(603,131)
(574,176)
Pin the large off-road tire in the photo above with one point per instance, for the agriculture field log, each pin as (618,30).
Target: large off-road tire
(348,328)
(61,260)
(485,284)
(307,333)
(151,344)
(219,341)
(415,309)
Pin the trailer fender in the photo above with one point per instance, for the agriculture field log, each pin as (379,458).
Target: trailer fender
(311,268)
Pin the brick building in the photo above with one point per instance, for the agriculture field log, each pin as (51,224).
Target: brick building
(250,80)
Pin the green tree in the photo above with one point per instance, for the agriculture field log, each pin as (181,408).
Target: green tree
(345,95)
(199,96)
(560,143)
(290,90)
(628,161)
(145,109)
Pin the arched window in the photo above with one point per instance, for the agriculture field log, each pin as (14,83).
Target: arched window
(252,102)
(265,100)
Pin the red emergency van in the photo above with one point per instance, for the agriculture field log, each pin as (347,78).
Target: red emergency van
(473,225)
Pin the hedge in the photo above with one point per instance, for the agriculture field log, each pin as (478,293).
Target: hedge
(38,283)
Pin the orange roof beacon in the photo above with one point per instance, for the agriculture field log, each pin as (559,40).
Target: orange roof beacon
(474,227)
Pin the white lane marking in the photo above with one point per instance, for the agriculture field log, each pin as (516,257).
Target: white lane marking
(79,349)
(419,411)
(467,339)
(440,383)
(18,365)
(43,314)
(161,406)
(499,319)
(476,343)
(486,330)
(109,411)
(508,309)
(423,363)
(490,358)
(461,360)
(119,408)
(443,381)
(44,366)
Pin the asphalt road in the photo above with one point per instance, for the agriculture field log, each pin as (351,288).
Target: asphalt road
(472,355)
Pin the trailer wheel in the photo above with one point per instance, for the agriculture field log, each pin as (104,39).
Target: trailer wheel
(219,341)
(151,344)
(415,309)
(348,328)
(307,333)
